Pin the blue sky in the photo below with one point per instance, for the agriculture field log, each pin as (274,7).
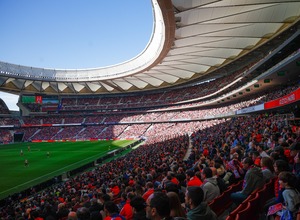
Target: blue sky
(72,34)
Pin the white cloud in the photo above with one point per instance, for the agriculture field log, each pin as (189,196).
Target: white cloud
(10,100)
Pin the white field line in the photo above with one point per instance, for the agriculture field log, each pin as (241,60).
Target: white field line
(48,174)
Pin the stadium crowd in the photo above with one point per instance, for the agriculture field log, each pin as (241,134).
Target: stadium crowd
(107,126)
(184,167)
(180,171)
(222,152)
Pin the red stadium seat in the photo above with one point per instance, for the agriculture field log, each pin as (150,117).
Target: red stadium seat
(262,197)
(270,189)
(250,211)
(233,214)
(237,186)
(227,202)
(244,214)
(217,205)
(254,204)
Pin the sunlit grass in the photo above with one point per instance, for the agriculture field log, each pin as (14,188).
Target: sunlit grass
(64,156)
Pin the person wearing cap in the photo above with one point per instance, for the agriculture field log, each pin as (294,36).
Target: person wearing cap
(192,180)
(197,208)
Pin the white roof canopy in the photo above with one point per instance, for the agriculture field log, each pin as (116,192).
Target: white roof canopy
(190,39)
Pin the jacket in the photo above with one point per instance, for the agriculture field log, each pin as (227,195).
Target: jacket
(211,189)
(292,199)
(202,212)
(253,180)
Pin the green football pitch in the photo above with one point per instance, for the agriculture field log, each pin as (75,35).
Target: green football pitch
(64,156)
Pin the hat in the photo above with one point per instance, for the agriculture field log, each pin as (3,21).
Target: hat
(295,146)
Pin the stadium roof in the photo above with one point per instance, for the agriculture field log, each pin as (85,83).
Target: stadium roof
(191,39)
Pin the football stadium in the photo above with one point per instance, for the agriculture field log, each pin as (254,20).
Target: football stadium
(204,123)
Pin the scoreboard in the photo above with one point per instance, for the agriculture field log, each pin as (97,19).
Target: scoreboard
(38,99)
(32,99)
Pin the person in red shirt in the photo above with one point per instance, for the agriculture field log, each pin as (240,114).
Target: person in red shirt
(150,190)
(131,181)
(127,210)
(256,158)
(191,179)
(111,211)
(115,189)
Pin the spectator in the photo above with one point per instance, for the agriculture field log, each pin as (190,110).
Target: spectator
(235,166)
(220,181)
(95,209)
(127,211)
(181,177)
(267,167)
(62,211)
(197,208)
(253,180)
(260,148)
(279,166)
(192,180)
(175,205)
(225,175)
(72,216)
(112,211)
(256,157)
(291,196)
(280,151)
(158,206)
(131,181)
(110,193)
(114,188)
(210,185)
(138,205)
(34,215)
(83,213)
(149,190)
(86,201)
